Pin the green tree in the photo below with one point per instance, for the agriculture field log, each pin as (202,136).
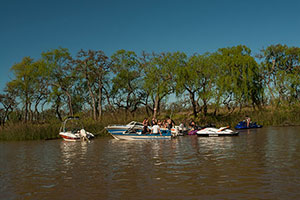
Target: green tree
(238,81)
(127,83)
(8,102)
(60,75)
(22,85)
(280,70)
(93,67)
(158,72)
(196,78)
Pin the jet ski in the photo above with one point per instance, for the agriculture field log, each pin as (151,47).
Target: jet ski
(216,132)
(243,125)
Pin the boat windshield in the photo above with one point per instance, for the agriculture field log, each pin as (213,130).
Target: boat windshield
(72,125)
(134,123)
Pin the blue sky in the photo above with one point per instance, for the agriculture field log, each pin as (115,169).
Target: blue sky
(29,27)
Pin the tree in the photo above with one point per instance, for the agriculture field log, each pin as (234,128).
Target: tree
(158,72)
(196,78)
(280,72)
(127,83)
(22,85)
(60,75)
(93,67)
(8,102)
(238,81)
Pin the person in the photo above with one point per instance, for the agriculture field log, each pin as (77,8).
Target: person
(171,123)
(192,125)
(153,121)
(248,120)
(145,126)
(159,123)
(155,129)
(83,135)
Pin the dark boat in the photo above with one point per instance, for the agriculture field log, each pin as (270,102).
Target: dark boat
(243,125)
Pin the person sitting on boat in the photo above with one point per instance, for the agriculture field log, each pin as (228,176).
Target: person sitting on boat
(153,121)
(155,129)
(145,126)
(248,120)
(159,123)
(171,123)
(192,125)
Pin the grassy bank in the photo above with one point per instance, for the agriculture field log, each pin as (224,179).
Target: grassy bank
(47,131)
(283,116)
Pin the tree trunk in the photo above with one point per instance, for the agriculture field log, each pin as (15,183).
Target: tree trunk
(100,99)
(30,112)
(205,108)
(93,101)
(156,106)
(69,103)
(26,112)
(58,101)
(192,98)
(36,112)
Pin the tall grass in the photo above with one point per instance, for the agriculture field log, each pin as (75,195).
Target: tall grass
(45,131)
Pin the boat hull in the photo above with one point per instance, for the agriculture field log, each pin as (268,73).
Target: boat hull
(71,137)
(141,136)
(127,132)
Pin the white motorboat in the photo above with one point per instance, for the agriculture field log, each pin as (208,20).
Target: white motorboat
(72,130)
(216,132)
(133,131)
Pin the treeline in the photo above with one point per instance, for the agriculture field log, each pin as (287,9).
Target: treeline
(60,84)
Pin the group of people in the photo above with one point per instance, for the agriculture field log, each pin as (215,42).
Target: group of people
(157,125)
(169,123)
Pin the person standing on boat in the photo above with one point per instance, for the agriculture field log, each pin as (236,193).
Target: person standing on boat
(248,120)
(155,129)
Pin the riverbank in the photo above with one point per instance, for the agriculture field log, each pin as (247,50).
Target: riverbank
(45,131)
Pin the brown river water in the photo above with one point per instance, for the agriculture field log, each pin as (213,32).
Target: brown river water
(257,164)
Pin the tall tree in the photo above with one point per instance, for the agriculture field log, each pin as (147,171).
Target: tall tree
(8,102)
(23,84)
(280,71)
(127,82)
(238,81)
(93,67)
(60,74)
(196,78)
(158,76)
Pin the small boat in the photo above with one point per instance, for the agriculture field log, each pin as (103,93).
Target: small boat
(72,130)
(243,125)
(133,131)
(216,132)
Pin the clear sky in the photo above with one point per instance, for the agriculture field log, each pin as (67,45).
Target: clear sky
(29,27)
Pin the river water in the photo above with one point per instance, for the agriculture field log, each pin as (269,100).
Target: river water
(257,164)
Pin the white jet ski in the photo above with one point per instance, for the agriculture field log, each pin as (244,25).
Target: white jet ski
(216,132)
